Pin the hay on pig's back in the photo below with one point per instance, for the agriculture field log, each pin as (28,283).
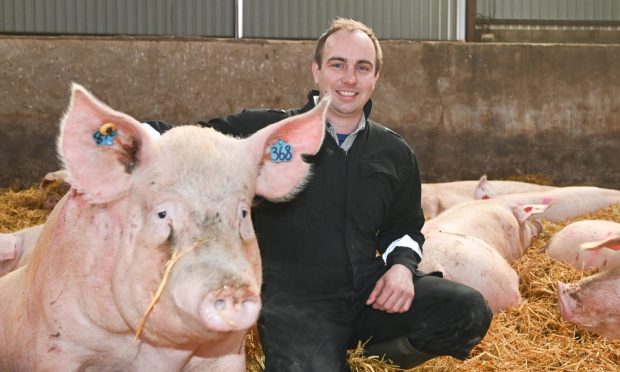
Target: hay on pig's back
(531,337)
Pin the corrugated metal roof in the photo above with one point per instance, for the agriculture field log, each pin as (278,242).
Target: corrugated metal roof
(390,19)
(125,17)
(291,19)
(580,10)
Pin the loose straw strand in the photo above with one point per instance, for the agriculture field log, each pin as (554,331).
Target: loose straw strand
(176,255)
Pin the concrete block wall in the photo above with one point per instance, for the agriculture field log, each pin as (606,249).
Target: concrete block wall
(466,109)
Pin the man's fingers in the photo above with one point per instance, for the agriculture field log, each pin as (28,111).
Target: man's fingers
(397,304)
(404,303)
(405,306)
(375,293)
(394,292)
(385,300)
(394,302)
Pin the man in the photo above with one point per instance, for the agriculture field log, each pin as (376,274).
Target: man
(325,287)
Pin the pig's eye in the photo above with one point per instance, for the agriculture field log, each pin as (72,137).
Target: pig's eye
(243,210)
(160,223)
(246,231)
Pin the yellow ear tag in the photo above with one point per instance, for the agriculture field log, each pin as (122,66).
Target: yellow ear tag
(107,129)
(106,134)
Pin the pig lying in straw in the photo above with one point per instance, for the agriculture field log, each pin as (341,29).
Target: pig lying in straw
(437,197)
(150,221)
(594,302)
(566,202)
(506,227)
(566,245)
(474,242)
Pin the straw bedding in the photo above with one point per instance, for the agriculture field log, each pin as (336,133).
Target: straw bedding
(531,337)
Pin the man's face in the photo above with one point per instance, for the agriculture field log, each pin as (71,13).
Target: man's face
(347,74)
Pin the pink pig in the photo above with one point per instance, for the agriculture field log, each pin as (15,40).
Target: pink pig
(567,244)
(137,203)
(471,261)
(486,189)
(474,242)
(437,197)
(507,228)
(16,248)
(594,302)
(566,202)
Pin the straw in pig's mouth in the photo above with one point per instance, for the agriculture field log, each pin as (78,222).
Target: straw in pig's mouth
(176,255)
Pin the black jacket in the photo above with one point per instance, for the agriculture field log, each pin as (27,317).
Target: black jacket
(356,203)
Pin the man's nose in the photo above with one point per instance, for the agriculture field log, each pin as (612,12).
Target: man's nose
(349,76)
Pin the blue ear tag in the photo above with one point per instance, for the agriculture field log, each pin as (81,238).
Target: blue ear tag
(106,134)
(281,152)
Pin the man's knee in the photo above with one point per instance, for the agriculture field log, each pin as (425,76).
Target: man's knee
(457,325)
(474,303)
(474,314)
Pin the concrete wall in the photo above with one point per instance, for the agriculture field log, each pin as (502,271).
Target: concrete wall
(467,109)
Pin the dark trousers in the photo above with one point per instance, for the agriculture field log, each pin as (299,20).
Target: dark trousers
(313,333)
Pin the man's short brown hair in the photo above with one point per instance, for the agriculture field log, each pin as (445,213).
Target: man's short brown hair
(348,24)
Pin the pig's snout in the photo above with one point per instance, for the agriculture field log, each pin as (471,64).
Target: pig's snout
(566,301)
(230,309)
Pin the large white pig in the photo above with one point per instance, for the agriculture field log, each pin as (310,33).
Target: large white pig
(566,245)
(138,203)
(507,228)
(486,189)
(567,202)
(16,248)
(473,243)
(437,197)
(594,302)
(471,261)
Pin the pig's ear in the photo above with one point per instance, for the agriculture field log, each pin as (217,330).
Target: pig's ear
(612,243)
(524,212)
(484,190)
(100,147)
(278,151)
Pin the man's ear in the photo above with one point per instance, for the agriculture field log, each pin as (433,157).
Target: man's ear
(315,72)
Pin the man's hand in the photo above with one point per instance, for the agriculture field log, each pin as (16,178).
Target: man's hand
(394,291)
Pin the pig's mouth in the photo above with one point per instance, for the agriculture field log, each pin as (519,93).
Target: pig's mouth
(225,308)
(174,258)
(230,309)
